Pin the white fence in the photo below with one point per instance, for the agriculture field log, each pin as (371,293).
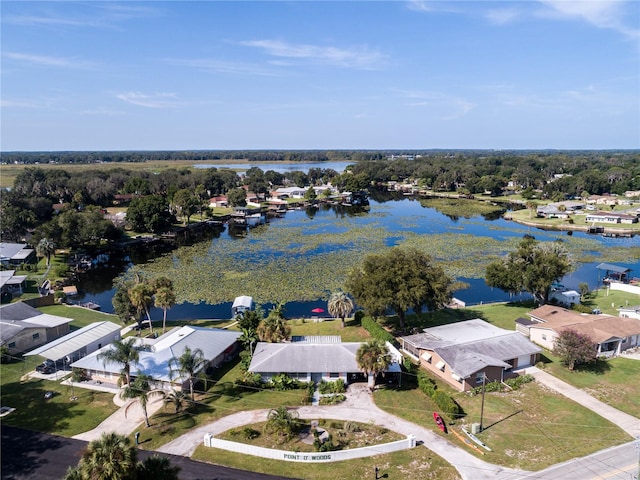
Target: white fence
(310,457)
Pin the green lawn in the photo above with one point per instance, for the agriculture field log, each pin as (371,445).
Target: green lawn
(530,429)
(81,316)
(416,463)
(351,332)
(220,399)
(614,381)
(59,415)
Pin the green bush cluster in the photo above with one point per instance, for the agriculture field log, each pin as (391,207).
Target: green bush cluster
(495,386)
(376,330)
(358,316)
(581,308)
(337,386)
(249,433)
(445,402)
(332,399)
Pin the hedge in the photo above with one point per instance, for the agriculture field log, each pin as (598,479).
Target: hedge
(445,403)
(376,330)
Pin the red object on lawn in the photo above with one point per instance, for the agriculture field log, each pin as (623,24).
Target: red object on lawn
(318,310)
(440,422)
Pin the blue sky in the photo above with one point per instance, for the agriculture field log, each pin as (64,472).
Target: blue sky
(320,75)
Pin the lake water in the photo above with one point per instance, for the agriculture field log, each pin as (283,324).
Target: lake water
(400,215)
(279,167)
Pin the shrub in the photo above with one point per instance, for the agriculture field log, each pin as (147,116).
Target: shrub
(337,386)
(78,375)
(358,316)
(447,404)
(332,399)
(518,381)
(376,330)
(249,433)
(351,427)
(581,308)
(426,384)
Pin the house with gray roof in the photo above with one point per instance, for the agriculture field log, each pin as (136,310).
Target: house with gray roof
(14,254)
(23,327)
(79,343)
(463,353)
(313,359)
(11,284)
(217,345)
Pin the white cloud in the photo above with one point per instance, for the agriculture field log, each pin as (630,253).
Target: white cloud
(5,103)
(154,100)
(222,66)
(600,13)
(451,106)
(356,57)
(47,61)
(419,6)
(502,16)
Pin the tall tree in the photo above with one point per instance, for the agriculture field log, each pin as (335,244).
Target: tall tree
(164,298)
(340,305)
(187,365)
(574,348)
(399,279)
(141,389)
(157,468)
(45,248)
(123,352)
(122,306)
(372,358)
(141,297)
(532,268)
(111,457)
(274,328)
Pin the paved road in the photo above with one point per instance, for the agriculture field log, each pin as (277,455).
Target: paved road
(28,455)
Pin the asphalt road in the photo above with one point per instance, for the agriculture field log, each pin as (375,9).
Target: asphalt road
(28,455)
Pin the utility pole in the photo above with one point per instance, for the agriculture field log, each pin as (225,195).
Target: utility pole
(484,380)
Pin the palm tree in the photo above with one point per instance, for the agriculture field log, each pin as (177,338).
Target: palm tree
(340,305)
(45,248)
(372,358)
(274,328)
(157,468)
(281,422)
(140,295)
(164,298)
(187,365)
(124,352)
(176,398)
(141,390)
(111,457)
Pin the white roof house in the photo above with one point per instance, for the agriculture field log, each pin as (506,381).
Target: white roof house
(10,282)
(14,253)
(216,344)
(80,342)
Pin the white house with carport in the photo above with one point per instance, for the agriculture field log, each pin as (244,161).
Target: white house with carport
(464,354)
(79,343)
(217,345)
(15,254)
(313,359)
(23,327)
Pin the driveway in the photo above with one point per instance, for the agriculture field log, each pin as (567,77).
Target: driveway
(626,422)
(358,407)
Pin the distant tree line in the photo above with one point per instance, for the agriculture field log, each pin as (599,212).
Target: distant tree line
(159,199)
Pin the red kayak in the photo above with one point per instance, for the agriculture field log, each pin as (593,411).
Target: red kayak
(440,422)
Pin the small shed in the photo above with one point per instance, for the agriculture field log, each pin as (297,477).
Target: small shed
(241,304)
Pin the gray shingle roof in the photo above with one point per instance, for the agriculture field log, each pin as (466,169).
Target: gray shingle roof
(470,346)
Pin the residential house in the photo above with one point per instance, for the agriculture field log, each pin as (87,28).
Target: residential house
(559,209)
(611,335)
(219,201)
(79,343)
(23,327)
(217,345)
(629,312)
(313,359)
(12,284)
(610,217)
(464,354)
(15,254)
(563,296)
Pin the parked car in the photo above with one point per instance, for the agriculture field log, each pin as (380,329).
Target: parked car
(48,366)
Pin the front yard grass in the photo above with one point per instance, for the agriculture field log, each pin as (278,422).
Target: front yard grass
(351,333)
(610,381)
(58,415)
(417,462)
(221,398)
(531,428)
